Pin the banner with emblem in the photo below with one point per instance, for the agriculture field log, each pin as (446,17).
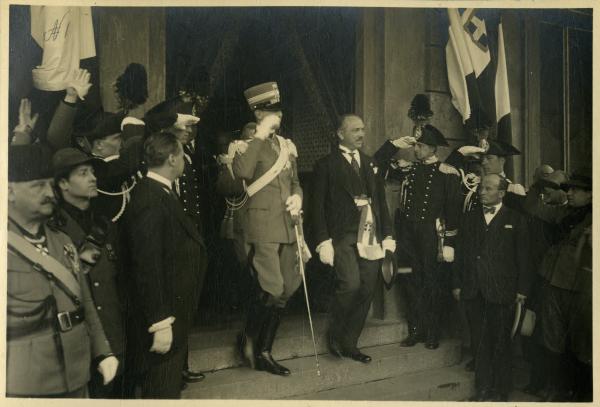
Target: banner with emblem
(477,72)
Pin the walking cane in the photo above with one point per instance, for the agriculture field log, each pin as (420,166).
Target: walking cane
(300,243)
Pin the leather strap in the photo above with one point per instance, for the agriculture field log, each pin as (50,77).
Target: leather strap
(47,263)
(272,172)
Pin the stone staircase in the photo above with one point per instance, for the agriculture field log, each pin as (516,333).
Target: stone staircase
(395,373)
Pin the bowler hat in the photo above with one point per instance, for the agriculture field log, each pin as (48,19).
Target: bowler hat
(28,163)
(264,96)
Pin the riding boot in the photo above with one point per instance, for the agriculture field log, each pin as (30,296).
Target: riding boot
(247,339)
(264,359)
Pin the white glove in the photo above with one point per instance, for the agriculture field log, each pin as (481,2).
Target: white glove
(448,254)
(404,142)
(326,254)
(517,189)
(224,159)
(162,340)
(293,204)
(471,150)
(108,368)
(184,120)
(267,126)
(389,245)
(79,85)
(26,120)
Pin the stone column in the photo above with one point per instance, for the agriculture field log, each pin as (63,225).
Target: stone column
(131,35)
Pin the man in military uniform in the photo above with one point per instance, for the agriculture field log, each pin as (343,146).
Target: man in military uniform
(268,166)
(427,223)
(96,239)
(53,329)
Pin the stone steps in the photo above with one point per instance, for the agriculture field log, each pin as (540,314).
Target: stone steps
(212,350)
(443,384)
(389,361)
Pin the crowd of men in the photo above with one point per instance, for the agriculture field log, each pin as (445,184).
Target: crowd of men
(107,254)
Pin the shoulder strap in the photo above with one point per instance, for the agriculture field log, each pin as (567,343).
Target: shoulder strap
(47,263)
(272,172)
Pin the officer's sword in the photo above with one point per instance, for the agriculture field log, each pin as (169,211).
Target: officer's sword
(300,243)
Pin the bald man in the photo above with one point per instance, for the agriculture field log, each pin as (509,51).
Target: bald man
(492,274)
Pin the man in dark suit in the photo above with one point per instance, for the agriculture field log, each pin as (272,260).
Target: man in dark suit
(166,259)
(350,217)
(492,274)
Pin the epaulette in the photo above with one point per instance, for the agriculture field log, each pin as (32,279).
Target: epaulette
(448,169)
(292,148)
(237,147)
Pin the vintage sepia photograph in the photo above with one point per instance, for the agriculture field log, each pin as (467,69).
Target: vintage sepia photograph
(329,202)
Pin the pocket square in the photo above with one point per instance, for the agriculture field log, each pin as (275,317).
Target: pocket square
(508,226)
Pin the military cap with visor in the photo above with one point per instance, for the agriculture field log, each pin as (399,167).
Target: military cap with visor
(264,96)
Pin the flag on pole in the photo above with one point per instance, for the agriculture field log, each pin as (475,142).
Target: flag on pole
(66,36)
(477,76)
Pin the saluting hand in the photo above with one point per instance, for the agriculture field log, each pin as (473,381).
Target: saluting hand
(79,86)
(404,142)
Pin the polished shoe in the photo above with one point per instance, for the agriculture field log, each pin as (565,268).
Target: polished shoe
(412,339)
(265,362)
(358,356)
(483,395)
(470,365)
(190,376)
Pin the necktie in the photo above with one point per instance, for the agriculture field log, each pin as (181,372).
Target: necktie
(354,163)
(489,209)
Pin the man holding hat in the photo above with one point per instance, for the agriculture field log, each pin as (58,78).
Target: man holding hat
(53,329)
(492,274)
(427,222)
(353,228)
(268,166)
(96,240)
(566,278)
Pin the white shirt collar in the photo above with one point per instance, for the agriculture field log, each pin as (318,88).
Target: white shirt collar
(489,216)
(349,153)
(159,178)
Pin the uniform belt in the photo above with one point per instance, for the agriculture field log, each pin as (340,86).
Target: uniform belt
(63,321)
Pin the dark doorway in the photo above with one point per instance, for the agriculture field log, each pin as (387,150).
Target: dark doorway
(219,52)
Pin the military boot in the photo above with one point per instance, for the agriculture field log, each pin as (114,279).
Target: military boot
(264,359)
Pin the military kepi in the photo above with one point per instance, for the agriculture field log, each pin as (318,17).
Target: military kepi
(432,136)
(263,97)
(28,163)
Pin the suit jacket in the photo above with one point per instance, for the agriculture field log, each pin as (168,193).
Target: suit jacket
(493,259)
(266,219)
(35,365)
(166,258)
(333,210)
